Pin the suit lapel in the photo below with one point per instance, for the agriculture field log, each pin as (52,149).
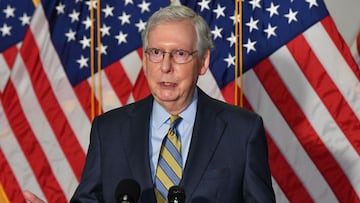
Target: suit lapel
(137,147)
(203,144)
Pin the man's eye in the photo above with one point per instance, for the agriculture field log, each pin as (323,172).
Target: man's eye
(157,51)
(181,53)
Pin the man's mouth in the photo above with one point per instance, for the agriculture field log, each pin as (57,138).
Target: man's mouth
(167,84)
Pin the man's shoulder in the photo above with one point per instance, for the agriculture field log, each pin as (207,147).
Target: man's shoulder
(127,110)
(221,107)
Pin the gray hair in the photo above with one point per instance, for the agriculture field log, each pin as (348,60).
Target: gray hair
(178,13)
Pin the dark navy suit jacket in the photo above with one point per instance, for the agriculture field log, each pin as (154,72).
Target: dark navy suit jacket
(227,160)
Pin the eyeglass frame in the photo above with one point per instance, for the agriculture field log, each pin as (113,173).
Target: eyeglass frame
(171,54)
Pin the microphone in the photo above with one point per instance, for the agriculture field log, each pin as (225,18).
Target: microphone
(176,194)
(127,191)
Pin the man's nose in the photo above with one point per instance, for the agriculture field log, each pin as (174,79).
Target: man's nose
(166,63)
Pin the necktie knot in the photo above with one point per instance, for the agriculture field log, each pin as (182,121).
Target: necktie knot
(174,120)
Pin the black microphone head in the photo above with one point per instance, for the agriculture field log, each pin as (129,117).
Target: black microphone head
(176,194)
(128,190)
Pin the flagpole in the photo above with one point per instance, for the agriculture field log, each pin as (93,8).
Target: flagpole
(238,55)
(3,196)
(98,15)
(240,52)
(236,52)
(36,2)
(92,99)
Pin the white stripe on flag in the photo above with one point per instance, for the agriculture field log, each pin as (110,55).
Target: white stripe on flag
(42,130)
(279,195)
(109,98)
(132,65)
(355,49)
(16,158)
(335,66)
(208,83)
(4,73)
(318,115)
(285,139)
(61,86)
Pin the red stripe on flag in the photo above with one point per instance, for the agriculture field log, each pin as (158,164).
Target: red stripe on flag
(228,93)
(83,93)
(140,52)
(327,90)
(119,81)
(10,55)
(284,175)
(282,172)
(7,179)
(141,88)
(341,45)
(30,146)
(304,132)
(51,107)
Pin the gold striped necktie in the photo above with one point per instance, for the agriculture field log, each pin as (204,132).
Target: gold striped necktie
(169,168)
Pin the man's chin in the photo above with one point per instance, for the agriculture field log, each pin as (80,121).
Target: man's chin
(166,99)
(167,95)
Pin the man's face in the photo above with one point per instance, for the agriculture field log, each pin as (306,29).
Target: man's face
(173,84)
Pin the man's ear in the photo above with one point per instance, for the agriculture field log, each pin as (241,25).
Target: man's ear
(205,62)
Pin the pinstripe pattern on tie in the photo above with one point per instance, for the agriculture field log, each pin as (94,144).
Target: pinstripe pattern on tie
(169,168)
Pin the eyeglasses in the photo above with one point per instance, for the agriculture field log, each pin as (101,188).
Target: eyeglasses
(180,56)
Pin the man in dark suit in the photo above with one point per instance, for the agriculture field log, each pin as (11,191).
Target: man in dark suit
(224,149)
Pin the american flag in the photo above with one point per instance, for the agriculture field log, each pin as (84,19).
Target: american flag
(355,49)
(299,75)
(46,86)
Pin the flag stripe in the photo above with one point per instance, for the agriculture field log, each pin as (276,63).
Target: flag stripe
(280,196)
(285,176)
(333,100)
(8,182)
(30,145)
(285,138)
(51,108)
(83,93)
(318,115)
(282,171)
(132,64)
(9,56)
(122,88)
(60,85)
(279,93)
(140,89)
(355,50)
(228,92)
(347,80)
(17,161)
(314,116)
(42,129)
(7,59)
(208,84)
(108,97)
(335,38)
